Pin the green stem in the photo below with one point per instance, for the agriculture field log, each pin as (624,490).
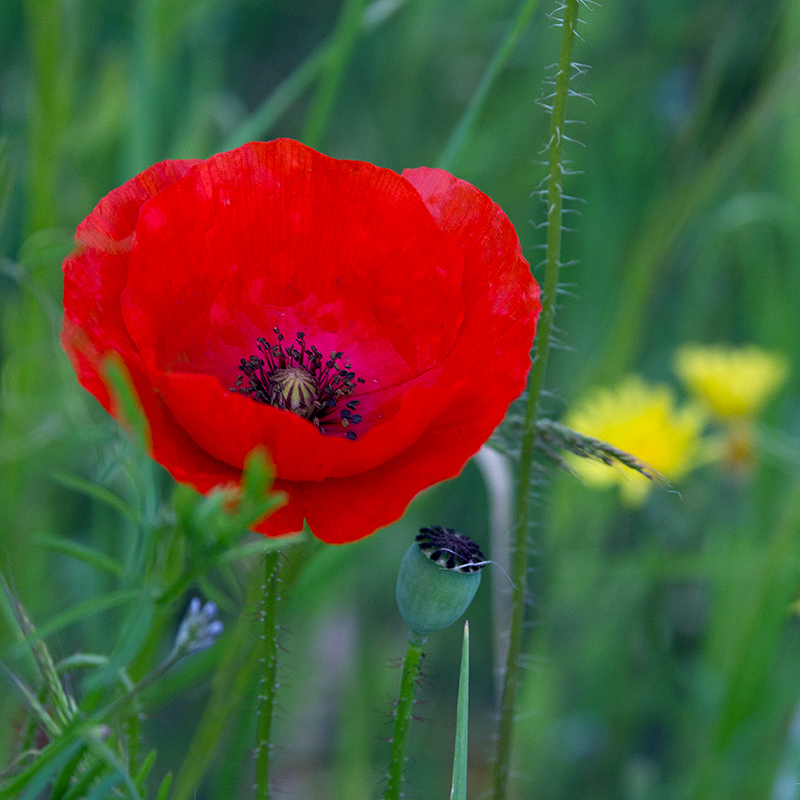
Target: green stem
(49,108)
(344,39)
(260,122)
(541,346)
(141,143)
(402,714)
(499,59)
(268,680)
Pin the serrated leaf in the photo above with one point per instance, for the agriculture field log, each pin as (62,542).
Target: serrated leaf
(552,437)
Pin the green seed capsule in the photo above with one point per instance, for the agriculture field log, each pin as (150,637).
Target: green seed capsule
(438,578)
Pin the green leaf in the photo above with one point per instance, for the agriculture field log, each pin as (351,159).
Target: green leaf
(87,778)
(88,555)
(493,70)
(64,780)
(6,179)
(128,408)
(43,772)
(37,774)
(101,791)
(459,787)
(260,548)
(97,492)
(37,710)
(62,702)
(259,473)
(112,760)
(80,661)
(163,789)
(80,611)
(144,770)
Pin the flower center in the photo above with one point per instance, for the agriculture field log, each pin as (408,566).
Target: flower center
(298,379)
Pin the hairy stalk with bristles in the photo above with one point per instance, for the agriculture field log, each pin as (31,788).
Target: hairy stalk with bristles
(403,715)
(541,345)
(268,679)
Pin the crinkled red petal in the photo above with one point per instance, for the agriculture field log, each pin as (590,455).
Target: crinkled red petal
(418,279)
(229,425)
(277,234)
(94,277)
(96,273)
(491,350)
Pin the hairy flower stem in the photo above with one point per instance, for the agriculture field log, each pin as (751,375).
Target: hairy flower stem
(268,679)
(402,714)
(519,543)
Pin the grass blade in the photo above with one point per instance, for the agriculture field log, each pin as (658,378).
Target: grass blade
(88,555)
(475,105)
(459,788)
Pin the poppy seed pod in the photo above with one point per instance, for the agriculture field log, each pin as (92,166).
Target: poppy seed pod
(438,578)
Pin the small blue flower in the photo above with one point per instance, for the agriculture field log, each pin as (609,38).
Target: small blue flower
(198,630)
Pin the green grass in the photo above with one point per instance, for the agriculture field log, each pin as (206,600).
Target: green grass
(663,661)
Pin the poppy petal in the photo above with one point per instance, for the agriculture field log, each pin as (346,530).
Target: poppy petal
(414,287)
(95,274)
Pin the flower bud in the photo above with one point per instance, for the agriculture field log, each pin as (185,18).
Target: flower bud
(198,630)
(438,578)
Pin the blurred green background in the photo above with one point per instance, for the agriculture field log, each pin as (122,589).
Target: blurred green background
(663,660)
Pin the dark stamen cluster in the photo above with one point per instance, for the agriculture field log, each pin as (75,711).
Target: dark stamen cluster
(299,379)
(451,550)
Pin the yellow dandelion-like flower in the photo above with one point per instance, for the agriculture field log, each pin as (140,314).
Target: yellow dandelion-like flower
(642,420)
(732,382)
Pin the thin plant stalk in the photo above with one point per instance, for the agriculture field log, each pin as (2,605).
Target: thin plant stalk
(268,678)
(541,346)
(458,790)
(495,67)
(339,54)
(261,121)
(141,144)
(403,715)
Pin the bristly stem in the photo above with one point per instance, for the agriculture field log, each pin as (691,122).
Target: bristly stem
(270,669)
(402,715)
(519,542)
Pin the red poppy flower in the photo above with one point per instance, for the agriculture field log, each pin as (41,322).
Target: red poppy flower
(370,329)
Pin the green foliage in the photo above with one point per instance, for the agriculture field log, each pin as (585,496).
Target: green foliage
(459,788)
(664,656)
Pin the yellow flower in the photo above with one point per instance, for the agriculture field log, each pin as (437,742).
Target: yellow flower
(732,382)
(642,420)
